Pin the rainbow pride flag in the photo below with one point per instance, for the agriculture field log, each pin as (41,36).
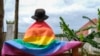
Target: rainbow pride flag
(39,40)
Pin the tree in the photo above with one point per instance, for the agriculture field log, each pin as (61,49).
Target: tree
(72,35)
(1,23)
(16,19)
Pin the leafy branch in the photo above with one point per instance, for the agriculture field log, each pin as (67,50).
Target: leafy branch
(72,35)
(67,31)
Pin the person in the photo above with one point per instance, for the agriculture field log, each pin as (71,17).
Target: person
(39,40)
(39,32)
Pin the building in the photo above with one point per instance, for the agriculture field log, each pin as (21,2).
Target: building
(87,46)
(86,32)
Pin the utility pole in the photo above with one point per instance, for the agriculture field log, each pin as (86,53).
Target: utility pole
(16,19)
(1,23)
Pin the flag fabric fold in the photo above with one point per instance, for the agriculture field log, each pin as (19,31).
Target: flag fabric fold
(39,40)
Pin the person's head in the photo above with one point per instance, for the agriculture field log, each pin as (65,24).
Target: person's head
(40,15)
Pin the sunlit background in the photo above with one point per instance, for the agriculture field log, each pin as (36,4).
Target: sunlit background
(71,10)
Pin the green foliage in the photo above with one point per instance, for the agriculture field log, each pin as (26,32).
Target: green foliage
(60,35)
(98,34)
(71,34)
(93,43)
(85,17)
(89,27)
(98,24)
(81,37)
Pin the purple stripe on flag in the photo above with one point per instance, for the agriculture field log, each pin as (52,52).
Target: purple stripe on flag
(8,50)
(68,46)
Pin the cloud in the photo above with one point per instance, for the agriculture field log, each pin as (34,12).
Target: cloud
(71,10)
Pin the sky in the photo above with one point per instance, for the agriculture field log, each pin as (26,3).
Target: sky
(71,10)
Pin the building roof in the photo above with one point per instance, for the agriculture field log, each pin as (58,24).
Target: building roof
(85,26)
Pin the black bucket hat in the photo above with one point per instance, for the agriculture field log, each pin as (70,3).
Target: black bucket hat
(39,14)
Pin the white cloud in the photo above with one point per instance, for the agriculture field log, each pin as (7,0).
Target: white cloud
(9,9)
(71,10)
(51,6)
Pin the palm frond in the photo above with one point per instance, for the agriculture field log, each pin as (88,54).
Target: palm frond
(85,17)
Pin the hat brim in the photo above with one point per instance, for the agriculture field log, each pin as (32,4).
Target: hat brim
(35,17)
